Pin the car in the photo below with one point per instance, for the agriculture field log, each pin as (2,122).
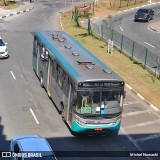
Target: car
(3,49)
(31,147)
(144,15)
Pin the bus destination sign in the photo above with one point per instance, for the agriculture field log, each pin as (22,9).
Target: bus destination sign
(100,84)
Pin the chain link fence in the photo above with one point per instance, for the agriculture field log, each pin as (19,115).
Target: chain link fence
(139,54)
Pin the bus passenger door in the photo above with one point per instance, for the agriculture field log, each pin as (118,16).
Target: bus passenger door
(35,55)
(49,74)
(69,105)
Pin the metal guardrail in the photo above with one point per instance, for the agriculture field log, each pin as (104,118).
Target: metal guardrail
(150,60)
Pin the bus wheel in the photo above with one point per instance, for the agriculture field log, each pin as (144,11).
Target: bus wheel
(41,80)
(77,134)
(115,133)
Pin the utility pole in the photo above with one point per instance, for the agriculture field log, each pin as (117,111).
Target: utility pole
(30,1)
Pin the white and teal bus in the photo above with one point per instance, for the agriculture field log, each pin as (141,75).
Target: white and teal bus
(87,93)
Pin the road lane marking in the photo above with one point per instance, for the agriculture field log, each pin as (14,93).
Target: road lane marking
(154,136)
(131,19)
(135,113)
(133,141)
(149,44)
(13,75)
(129,103)
(143,124)
(34,116)
(158,12)
(121,29)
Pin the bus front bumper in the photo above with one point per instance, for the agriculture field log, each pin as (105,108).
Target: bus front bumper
(96,129)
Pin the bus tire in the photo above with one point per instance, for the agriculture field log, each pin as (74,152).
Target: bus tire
(115,133)
(41,80)
(76,134)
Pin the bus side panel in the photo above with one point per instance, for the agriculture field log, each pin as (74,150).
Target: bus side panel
(56,95)
(34,61)
(42,70)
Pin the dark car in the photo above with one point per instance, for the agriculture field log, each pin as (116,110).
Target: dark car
(144,15)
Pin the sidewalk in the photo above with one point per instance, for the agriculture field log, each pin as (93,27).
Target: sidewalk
(24,7)
(155,26)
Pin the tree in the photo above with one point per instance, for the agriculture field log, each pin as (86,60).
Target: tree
(120,5)
(4,2)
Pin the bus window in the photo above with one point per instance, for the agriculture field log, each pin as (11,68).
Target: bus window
(52,65)
(35,46)
(42,53)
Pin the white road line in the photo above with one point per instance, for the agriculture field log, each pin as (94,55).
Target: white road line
(121,29)
(158,12)
(34,116)
(143,124)
(133,141)
(149,44)
(154,136)
(129,103)
(134,113)
(13,75)
(131,19)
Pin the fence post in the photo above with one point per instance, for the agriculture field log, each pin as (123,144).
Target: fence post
(102,31)
(93,6)
(121,44)
(112,34)
(145,58)
(132,50)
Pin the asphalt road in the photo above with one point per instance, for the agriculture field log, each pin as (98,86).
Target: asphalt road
(139,32)
(21,96)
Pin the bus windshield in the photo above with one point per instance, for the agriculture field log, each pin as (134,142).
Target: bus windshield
(99,102)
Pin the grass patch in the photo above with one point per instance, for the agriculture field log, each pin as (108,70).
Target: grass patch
(141,80)
(9,4)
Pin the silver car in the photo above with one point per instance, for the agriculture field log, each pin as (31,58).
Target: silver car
(31,147)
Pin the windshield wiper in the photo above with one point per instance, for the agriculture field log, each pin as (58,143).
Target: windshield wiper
(93,116)
(101,116)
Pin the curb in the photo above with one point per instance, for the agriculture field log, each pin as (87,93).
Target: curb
(127,85)
(14,13)
(156,30)
(142,98)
